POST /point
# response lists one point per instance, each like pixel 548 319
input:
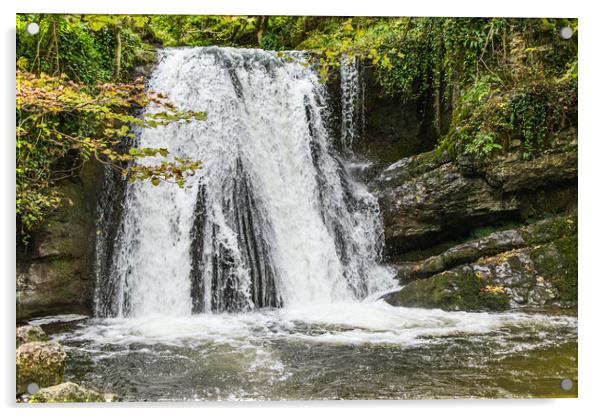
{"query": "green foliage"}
pixel 523 95
pixel 483 144
pixel 61 124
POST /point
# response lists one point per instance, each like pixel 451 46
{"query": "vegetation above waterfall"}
pixel 62 122
pixel 504 79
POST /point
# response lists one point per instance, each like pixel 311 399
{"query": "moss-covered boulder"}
pixel 543 231
pixel 67 393
pixel 42 363
pixel 559 264
pixel 451 291
pixel 538 275
pixel 30 333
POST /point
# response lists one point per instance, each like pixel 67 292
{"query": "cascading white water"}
pixel 351 102
pixel 272 218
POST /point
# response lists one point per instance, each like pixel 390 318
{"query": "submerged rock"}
pixel 537 275
pixel 30 333
pixel 42 363
pixel 68 393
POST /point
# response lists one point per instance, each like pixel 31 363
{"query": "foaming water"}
pixel 339 350
pixel 343 322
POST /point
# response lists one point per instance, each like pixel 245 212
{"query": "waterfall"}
pixel 352 102
pixel 273 218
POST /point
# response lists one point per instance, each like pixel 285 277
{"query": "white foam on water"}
pixel 338 323
pixel 45 320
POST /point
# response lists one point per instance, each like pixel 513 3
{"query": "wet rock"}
pixel 535 276
pixel 51 287
pixel 541 232
pixel 547 170
pixel 67 393
pixel 410 167
pixel 54 269
pixel 452 291
pixel 438 203
pixel 30 333
pixel 428 198
pixel 42 363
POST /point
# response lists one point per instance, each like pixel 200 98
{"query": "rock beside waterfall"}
pixel 42 363
pixel 428 198
pixel 543 231
pixel 69 393
pixel 538 275
pixel 54 270
pixel 480 233
pixel 30 333
pixel 438 203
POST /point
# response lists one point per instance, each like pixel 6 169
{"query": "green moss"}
pixel 566 279
pixel 66 393
pixel 552 229
pixel 64 269
pixel 557 262
pixel 451 291
pixel 42 363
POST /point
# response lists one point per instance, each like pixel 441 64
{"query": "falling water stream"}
pixel 261 278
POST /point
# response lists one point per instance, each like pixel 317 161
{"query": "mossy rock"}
pixel 30 333
pixel 559 263
pixel 550 229
pixel 67 393
pixel 451 291
pixel 42 363
pixel 538 275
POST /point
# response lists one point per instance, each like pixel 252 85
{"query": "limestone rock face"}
pixel 67 393
pixel 543 231
pixel 429 198
pixel 42 363
pixel 54 269
pixel 537 275
pixel 475 233
pixel 436 204
pixel 30 333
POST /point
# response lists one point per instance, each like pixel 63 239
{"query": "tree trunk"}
pixel 262 26
pixel 50 41
pixel 117 72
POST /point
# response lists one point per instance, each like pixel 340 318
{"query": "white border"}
pixel 506 8
pixel 590 153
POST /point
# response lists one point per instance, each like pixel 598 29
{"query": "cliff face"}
pixel 471 234
pixel 427 198
pixel 54 270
